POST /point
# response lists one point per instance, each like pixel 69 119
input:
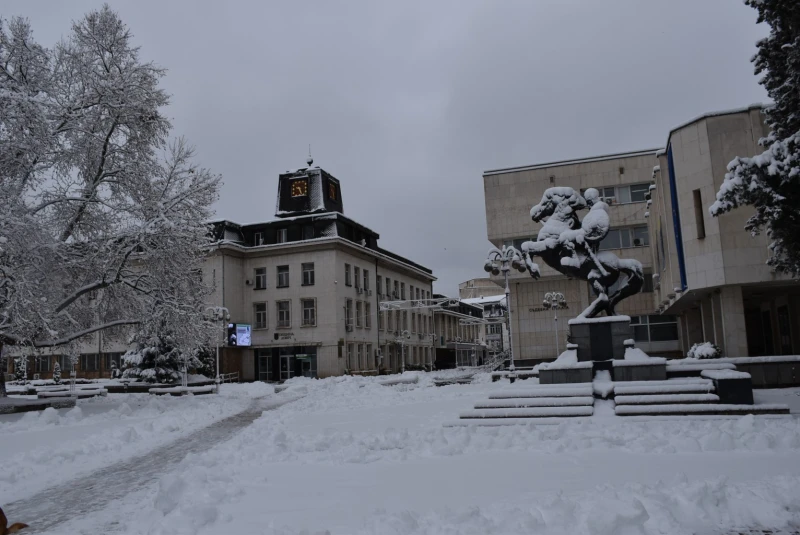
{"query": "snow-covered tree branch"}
pixel 770 182
pixel 102 217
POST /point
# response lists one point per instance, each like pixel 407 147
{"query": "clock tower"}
pixel 309 190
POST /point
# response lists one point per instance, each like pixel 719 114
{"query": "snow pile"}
pixel 568 360
pixel 41 449
pixel 705 350
pixel 724 374
pixel 636 357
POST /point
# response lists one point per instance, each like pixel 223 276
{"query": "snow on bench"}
pixel 515 403
pixel 668 382
pixel 625 410
pixel 724 374
pixel 184 390
pixel 81 393
pixel 400 381
pixel 691 388
pixel 546 391
pixel 532 412
pixel 657 399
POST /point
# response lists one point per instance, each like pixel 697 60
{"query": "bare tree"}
pixel 101 217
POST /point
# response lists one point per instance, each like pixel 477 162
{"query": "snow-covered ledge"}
pixel 568 360
pixel 600 319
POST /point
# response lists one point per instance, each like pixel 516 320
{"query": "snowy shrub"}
pixel 205 361
pixel 20 371
pixel 57 373
pixel 705 350
pixel 115 371
pixel 157 360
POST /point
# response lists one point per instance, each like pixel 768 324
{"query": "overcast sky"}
pixel 407 102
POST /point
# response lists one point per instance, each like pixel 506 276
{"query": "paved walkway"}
pixel 84 495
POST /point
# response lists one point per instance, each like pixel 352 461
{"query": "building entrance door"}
pixel 287 367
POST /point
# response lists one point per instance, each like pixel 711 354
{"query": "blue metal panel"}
pixel 676 219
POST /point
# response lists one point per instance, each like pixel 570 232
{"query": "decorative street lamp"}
pixel 223 315
pixel 457 340
pixel 401 339
pixel 555 301
pixel 497 261
pixel 433 349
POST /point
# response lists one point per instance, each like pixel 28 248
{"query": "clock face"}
pixel 299 188
pixel 332 191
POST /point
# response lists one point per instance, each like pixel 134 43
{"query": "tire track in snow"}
pixel 95 491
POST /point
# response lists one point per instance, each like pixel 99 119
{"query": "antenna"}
pixel 310 160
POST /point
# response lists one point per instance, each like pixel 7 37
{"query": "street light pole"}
pixel 221 314
pixel 555 301
pixel 498 260
pixel 401 339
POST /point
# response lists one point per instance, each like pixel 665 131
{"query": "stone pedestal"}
pixel 565 376
pixel 733 387
pixel 600 339
pixel 657 371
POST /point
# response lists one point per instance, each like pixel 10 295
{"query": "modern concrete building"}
pixel 710 272
pixel 624 181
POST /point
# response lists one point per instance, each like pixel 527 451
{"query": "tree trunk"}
pixel 3 364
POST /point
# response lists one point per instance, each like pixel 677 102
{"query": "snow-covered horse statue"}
pixel 570 246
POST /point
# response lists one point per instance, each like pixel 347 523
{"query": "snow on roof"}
pixel 484 300
pixel 719 113
pixel 573 161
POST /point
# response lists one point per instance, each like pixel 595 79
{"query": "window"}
pixel 626 237
pixel 283 276
pixel 347 280
pixel 348 312
pixel 42 364
pixel 357 276
pixel 378 285
pixel 358 314
pixel 396 289
pixel 647 287
pixel 403 291
pixel 698 214
pixel 405 320
pixel 65 362
pixel 308 232
pixel 283 235
pixel 368 359
pixel 389 318
pixel 260 310
pixel 349 355
pixel 366 280
pixel 411 291
pixel 367 315
pixel 308 273
pixel 109 358
pixel 261 279
pixel 623 194
pixel 258 238
pixel 428 294
pixel 381 320
pixel 89 362
pixel 332 191
pixel 654 328
pixel 284 314
pixel 413 322
pixel 309 312
pixel 418 292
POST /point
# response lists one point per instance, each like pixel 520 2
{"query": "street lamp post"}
pixel 502 260
pixel 433 349
pixel 457 340
pixel 555 301
pixel 401 339
pixel 223 315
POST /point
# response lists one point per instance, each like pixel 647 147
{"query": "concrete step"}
pixel 690 409
pixel 518 403
pixel 685 388
pixel 666 399
pixel 546 391
pixel 532 412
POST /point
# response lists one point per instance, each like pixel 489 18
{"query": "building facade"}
pixel 477 288
pixel 458 335
pixel 310 283
pixel 623 181
pixel 710 272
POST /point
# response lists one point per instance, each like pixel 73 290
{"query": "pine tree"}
pixel 20 369
pixel 770 182
pixel 57 373
pixel 157 360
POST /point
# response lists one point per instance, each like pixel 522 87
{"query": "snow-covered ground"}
pixel 353 456
pixel 43 449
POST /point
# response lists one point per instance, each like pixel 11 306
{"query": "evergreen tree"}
pixel 20 369
pixel 770 182
pixel 57 373
pixel 157 360
pixel 206 361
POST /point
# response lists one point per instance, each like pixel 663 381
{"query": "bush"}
pixel 57 373
pixel 705 350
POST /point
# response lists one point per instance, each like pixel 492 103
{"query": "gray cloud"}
pixel 408 102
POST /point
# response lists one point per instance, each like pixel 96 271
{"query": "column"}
pixel 733 326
